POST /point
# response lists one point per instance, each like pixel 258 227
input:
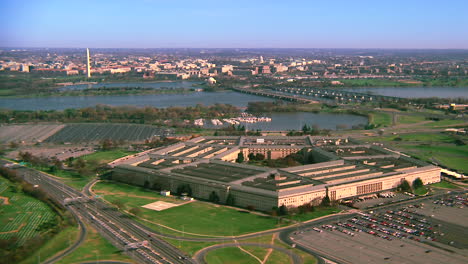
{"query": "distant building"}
pixel 165 193
pixel 211 80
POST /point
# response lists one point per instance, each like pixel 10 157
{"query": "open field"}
pixel 97 132
pixel 439 148
pixel 410 119
pixel 107 156
pixel 95 248
pixel 452 157
pixel 379 118
pixel 189 247
pixel 444 184
pixel 319 212
pixel 229 255
pixel 205 218
pixel 28 133
pixel 59 242
pixel 23 215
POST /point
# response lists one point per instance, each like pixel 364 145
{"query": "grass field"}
pixel 451 156
pixel 190 248
pixel 410 119
pixel 445 123
pixel 205 218
pixel 444 184
pixel 379 118
pixel 432 147
pixel 420 191
pixel 230 255
pixel 107 156
pixel 58 243
pixel 22 214
pixel 319 212
pixel 95 248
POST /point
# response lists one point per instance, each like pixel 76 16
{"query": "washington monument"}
pixel 88 66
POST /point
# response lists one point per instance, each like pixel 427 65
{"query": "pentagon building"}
pixel 342 167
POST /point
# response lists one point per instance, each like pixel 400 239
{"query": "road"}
pixel 120 230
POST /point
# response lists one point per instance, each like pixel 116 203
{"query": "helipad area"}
pixel 160 205
pixel 341 167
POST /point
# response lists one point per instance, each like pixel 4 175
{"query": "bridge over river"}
pixel 337 95
pixel 276 95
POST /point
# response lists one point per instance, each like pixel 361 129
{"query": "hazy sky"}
pixel 234 24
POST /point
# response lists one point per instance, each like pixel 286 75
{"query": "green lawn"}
pixel 95 248
pixel 432 147
pixel 58 243
pixel 319 211
pixel 204 218
pixel 230 255
pixel 107 156
pixel 190 248
pixel 379 118
pixel 278 257
pixel 22 214
pixel 451 156
pixel 445 123
pixel 410 119
pixel 420 191
pixel 444 184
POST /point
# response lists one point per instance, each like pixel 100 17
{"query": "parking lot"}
pixel 401 234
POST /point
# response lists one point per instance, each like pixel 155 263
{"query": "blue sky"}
pixel 234 24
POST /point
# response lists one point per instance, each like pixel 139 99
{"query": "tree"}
pixel 118 203
pixel 214 197
pixel 418 183
pixel 259 156
pixel 184 188
pixel 230 200
pixel 326 201
pixel 283 210
pixel 146 184
pixel 404 186
pixel 135 211
pixel 251 156
pixel 240 157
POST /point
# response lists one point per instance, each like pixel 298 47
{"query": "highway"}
pixel 120 230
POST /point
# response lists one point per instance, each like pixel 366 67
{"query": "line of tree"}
pixel 122 114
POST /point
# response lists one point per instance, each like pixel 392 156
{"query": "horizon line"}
pixel 42 47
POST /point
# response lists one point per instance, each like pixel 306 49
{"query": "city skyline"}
pixel 209 24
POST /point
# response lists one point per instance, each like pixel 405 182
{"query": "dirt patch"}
pixel 6 200
pixel 14 231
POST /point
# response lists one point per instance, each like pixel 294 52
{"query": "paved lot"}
pixel 399 234
pixel 365 248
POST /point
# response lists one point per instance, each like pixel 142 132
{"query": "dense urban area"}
pixel 233 155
